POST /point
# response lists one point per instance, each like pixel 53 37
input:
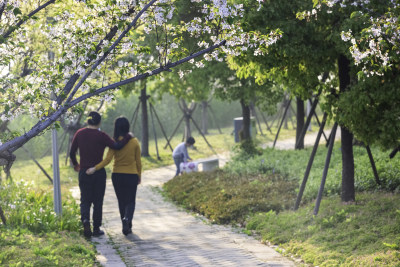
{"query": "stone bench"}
pixel 209 164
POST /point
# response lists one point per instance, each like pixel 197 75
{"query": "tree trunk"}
pixel 245 131
pixel 188 131
pixel 187 116
pixel 145 123
pixel 300 123
pixel 348 191
pixel 3 218
pixel 286 119
pixel 70 137
pixel 204 116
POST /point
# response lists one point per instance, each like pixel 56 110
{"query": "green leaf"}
pixel 17 11
pixel 355 14
pixel 57 125
pixel 121 24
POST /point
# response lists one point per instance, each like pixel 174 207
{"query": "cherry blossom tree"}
pixel 88 39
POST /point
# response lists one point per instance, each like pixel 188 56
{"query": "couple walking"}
pixel 126 174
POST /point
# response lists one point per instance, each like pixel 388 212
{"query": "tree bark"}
pixel 286 118
pixel 187 115
pixel 3 218
pixel 188 131
pixel 204 116
pixel 348 191
pixel 245 131
pixel 300 123
pixel 145 123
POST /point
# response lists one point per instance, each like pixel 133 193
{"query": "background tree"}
pixel 308 50
pixel 228 87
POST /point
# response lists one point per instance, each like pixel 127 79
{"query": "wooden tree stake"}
pixel 325 173
pixel 310 162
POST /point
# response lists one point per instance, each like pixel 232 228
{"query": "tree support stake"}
pixel 283 119
pixel 371 159
pixel 310 163
pixel 154 132
pixel 325 173
pixel 308 120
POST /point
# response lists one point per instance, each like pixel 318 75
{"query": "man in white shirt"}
pixel 180 153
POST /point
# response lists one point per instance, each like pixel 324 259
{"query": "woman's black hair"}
pixel 94 118
pixel 121 127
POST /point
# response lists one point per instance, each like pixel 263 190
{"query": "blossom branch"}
pixel 112 47
pixel 147 74
pixel 68 87
pixel 23 20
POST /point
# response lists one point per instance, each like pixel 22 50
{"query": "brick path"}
pixel 165 235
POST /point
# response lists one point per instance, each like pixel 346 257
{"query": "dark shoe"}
pixel 125 226
pixel 87 232
pixel 98 232
pixel 130 228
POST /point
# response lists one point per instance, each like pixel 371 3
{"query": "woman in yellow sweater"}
pixel 126 174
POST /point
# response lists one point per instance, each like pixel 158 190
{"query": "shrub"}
pixel 32 208
pixel 35 235
pixel 225 198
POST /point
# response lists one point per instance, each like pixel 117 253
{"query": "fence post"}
pixel 56 175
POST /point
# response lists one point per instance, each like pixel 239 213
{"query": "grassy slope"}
pixel 366 233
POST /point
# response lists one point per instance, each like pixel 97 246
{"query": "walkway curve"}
pixel 166 235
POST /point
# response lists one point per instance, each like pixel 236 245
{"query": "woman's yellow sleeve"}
pixel 138 157
pixel 107 160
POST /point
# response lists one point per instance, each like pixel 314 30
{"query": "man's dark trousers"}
pixel 92 189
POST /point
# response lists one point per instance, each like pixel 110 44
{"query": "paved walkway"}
pixel 165 235
pixel 309 140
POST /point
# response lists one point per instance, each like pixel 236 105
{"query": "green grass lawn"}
pixel 366 233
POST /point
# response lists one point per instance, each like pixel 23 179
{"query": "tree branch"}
pixel 19 141
pixel 23 20
pixel 145 75
pixel 67 88
pixel 2 9
pixel 112 47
